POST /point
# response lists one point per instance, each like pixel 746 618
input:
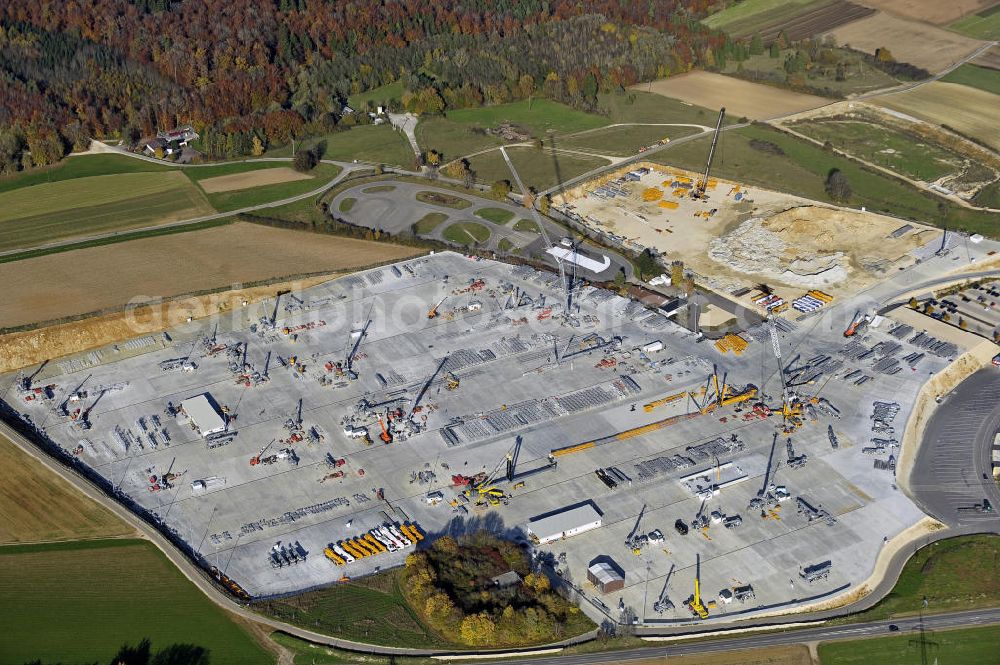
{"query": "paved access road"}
pixel 755 641
pixel 952 470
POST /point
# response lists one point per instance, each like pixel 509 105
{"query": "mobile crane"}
pixel 695 603
pixel 433 312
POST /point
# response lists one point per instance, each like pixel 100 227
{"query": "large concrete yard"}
pixel 524 372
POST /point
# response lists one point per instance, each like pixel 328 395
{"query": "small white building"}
pixel 580 259
pixel 564 523
pixel 204 414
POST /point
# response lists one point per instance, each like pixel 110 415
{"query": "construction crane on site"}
pixel 632 539
pixel 427 385
pixel 83 422
pixel 698 192
pixel 789 410
pixel 694 602
pixel 663 603
pixel 385 435
pixel 349 360
pixel 255 460
pixel 277 299
pixel 857 323
pixel 541 229
pixel 433 312
pixel 64 407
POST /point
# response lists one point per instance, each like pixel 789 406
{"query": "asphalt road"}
pixel 952 471
pixel 755 641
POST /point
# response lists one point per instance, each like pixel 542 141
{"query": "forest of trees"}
pixel 449 585
pixel 272 70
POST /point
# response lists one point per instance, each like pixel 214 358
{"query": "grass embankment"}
pixel 540 169
pixel 466 233
pixel 802 170
pixel 495 215
pixel 36 505
pixel 970 645
pixel 974 76
pixel 371 610
pixel 79 602
pixel 953 574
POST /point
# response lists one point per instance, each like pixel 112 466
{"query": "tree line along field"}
pixel 80 602
pixel 801 168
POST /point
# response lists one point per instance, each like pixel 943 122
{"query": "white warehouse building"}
pixel 205 415
pixel 564 523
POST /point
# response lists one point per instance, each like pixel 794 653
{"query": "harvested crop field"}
pixel 918 44
pixel 969 111
pixel 990 58
pixel 229 183
pixel 741 98
pixel 97 278
pixel 937 13
pixel 36 505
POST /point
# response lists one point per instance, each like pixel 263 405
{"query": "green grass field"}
pixel 742 14
pixel 526 225
pixel 638 105
pixel 378 188
pixel 988 196
pixel 505 245
pixel 380 144
pixel 95 204
pixel 369 610
pixel 621 141
pixel 974 76
pixel 79 602
pixel 199 173
pixel 443 199
pixel 80 166
pixel 803 169
pixel 243 198
pixel 346 204
pixel 380 94
pixel 495 215
pixel 429 222
pixel 957 573
pixel 972 646
pixel 452 139
pixel 466 233
pixel 895 150
pixel 537 168
pixel 983 25
pixel 537 115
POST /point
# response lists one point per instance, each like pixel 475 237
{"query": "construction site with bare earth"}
pixel 321 434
